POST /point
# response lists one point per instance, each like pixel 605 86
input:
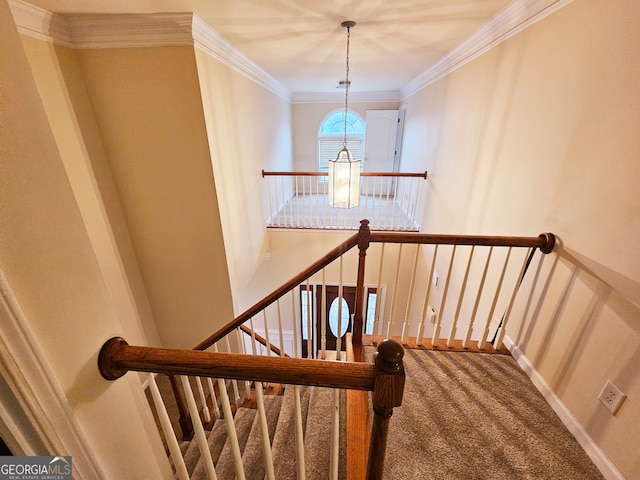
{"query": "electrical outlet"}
pixel 435 279
pixel 611 397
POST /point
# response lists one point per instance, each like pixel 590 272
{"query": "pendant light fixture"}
pixel 344 171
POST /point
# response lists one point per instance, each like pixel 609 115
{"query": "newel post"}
pixel 364 235
pixel 387 394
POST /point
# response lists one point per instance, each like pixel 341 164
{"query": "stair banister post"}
pixel 364 235
pixel 387 394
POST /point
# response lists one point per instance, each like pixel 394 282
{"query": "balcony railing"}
pixel 390 200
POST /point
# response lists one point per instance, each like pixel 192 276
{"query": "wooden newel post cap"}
pixel 390 354
pixel 389 384
pixel 364 234
pixel 106 363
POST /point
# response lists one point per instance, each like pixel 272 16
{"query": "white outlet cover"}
pixel 611 397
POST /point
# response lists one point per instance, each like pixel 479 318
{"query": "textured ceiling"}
pixel 301 42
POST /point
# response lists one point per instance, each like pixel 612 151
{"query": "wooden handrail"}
pixel 262 341
pixel 117 357
pixel 284 289
pixel 545 241
pixel 362 174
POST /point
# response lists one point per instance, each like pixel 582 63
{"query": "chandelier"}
pixel 344 171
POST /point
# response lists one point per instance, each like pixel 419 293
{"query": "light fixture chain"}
pixel 346 95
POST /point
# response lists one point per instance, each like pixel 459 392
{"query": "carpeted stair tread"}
pixel 243 421
pixel 317 436
pixel 283 447
pixel 253 456
pixel 216 441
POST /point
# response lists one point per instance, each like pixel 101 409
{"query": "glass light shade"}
pixel 344 180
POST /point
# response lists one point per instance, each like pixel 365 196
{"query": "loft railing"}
pixel 451 283
pixel 460 288
pixel 390 200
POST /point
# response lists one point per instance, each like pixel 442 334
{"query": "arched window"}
pixel 331 137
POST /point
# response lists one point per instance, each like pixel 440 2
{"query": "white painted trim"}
pixel 515 17
pixel 95 31
pixel 606 467
pixel 209 41
pixel 38 395
pixel 38 23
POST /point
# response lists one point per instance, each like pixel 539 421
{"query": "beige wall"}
pixel 306 122
pixel 149 112
pixel 540 134
pixel 249 130
pixel 48 257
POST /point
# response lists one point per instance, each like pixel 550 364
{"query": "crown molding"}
pixel 38 23
pixel 209 41
pixel 515 17
pixel 354 97
pixel 95 31
pixel 89 31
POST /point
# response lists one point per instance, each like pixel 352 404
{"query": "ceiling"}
pixel 301 42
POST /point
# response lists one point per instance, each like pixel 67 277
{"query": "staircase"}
pixel 316 407
pixel 299 438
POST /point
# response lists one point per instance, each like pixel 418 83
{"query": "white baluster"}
pixel 436 331
pixel 232 435
pixel 266 332
pixel 454 325
pixel 485 333
pixel 167 430
pixel 243 349
pixel 280 334
pixel 467 339
pixel 214 400
pixel 394 295
pixel 376 316
pixel 294 317
pixel 340 293
pixel 407 312
pixel 299 434
pixel 323 317
pixel 234 382
pixel 201 438
pixel 498 342
pixel 297 197
pixel 335 437
pixel 425 305
pixel 264 430
pixel 203 400
pixel 310 333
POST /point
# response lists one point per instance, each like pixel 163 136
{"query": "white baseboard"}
pixel 598 457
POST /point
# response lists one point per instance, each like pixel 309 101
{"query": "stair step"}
pixel 284 458
pixel 253 457
pixel 243 420
pixel 216 440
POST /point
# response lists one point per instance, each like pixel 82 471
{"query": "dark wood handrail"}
pixel 262 340
pixel 117 357
pixel 545 241
pixel 362 174
pixel 284 289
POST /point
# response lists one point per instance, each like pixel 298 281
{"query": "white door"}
pixel 379 149
pixel 380 140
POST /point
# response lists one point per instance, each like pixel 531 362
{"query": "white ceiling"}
pixel 301 42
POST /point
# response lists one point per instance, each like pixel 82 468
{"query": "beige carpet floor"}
pixel 478 416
